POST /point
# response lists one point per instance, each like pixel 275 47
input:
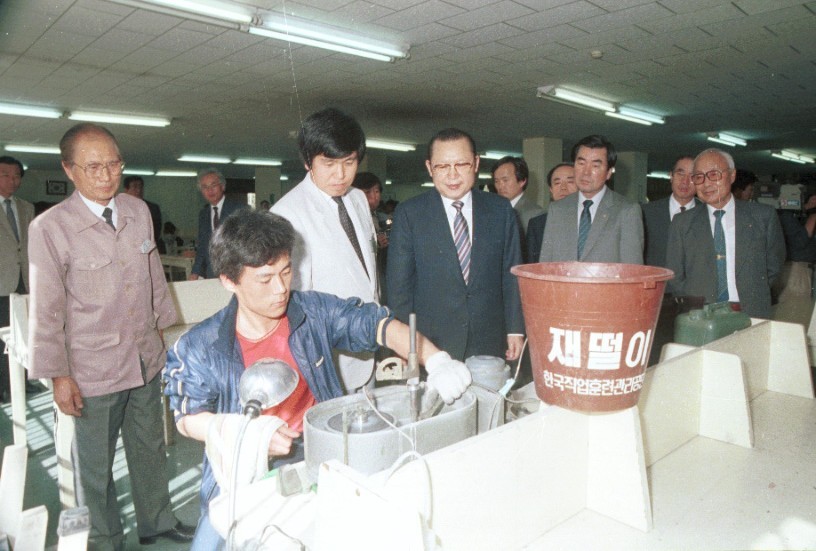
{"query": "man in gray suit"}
pixel 657 215
pixel 510 176
pixel 17 214
pixel 595 224
pixel 731 250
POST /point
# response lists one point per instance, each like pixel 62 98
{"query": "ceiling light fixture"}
pixel 176 173
pixel 138 172
pixel 114 118
pixel 205 159
pixel 788 155
pixel 284 178
pixel 725 139
pixel 284 27
pixel 659 175
pixel 576 98
pixel 391 146
pixel 628 118
pixel 256 162
pixel 44 149
pixel 625 111
pixel 220 10
pixel 29 111
pixel 496 155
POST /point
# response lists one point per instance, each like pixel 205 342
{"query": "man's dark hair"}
pixel 6 160
pixel 680 158
pixel 85 128
pixel 743 179
pixel 130 179
pixel 366 181
pixel 331 133
pixel 449 135
pixel 249 238
pixel 519 167
pixel 552 171
pixel 596 141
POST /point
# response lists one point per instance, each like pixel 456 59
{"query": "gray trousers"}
pixel 138 413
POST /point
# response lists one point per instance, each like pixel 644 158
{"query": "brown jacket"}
pixel 98 297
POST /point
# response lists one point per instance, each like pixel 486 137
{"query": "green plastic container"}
pixel 714 321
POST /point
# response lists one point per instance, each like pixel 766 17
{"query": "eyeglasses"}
pixel 210 187
pixel 442 170
pixel 94 170
pixel 699 178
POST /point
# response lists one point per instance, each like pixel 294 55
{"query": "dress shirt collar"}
pixel 98 209
pixel 467 201
pixel 674 205
pixel 728 208
pixel 514 201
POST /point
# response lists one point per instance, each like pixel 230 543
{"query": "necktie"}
pixel 12 219
pixel 584 226
pixel 461 238
pixel 682 209
pixel 107 214
pixel 215 218
pixel 348 227
pixel 719 250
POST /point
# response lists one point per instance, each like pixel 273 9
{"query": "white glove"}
pixel 449 377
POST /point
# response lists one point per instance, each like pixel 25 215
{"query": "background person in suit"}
pixel 134 185
pixel 510 176
pixel 466 307
pixel 561 181
pixel 753 245
pixel 331 255
pixel 98 303
pixel 657 215
pixel 212 185
pixel 17 215
pixel 615 226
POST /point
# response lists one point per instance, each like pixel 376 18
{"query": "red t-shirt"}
pixel 276 345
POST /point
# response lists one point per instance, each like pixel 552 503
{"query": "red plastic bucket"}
pixel 590 328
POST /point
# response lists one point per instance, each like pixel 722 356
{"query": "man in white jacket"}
pixel 335 248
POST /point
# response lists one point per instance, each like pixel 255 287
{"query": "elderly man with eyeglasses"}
pixel 729 250
pixel 450 254
pixel 98 304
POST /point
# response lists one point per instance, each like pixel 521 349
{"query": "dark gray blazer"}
pixel 760 253
pixel 202 266
pixel 616 234
pixel 424 275
pixel 656 220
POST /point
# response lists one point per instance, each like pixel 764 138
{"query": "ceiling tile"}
pixel 421 14
pixel 483 35
pixel 623 18
pixel 487 15
pixel 557 15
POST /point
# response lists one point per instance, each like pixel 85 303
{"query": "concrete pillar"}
pixel 541 155
pixel 630 175
pixel 268 184
pixel 374 161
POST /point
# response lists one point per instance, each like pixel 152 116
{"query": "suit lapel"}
pixel 742 228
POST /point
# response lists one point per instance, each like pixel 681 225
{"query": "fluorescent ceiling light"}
pixel 113 118
pixel 388 182
pixel 392 146
pixel 725 139
pixel 289 25
pixel 428 184
pixel 256 162
pixel 318 44
pixel 176 173
pixel 485 176
pixel 788 155
pixel 138 172
pixel 284 178
pixel 204 159
pixel 659 175
pixel 220 10
pixel 48 150
pixel 29 111
pixel 628 118
pixel 638 114
pixel 496 155
pixel 550 92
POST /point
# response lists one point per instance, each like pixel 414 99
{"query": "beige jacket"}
pixel 98 297
pixel 14 254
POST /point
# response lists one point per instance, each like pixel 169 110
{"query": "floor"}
pixel 183 463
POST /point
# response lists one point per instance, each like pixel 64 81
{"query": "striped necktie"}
pixel 461 238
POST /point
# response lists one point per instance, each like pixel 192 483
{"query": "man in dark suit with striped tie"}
pixel 450 254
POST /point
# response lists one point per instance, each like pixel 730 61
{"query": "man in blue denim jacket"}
pixel 251 254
